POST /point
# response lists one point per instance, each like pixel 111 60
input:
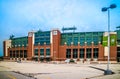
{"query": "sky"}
pixel 18 17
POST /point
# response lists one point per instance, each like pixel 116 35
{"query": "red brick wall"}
pixel 30 45
pixel 113 53
pixel 101 53
pixel 56 43
pixel 62 52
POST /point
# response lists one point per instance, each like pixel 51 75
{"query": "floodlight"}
pixel 104 9
pixel 113 6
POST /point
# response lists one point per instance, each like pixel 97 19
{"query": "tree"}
pixel 11 37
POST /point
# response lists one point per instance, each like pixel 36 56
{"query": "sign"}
pixel 105 41
pixel 113 39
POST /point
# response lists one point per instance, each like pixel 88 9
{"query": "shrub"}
pixel 72 61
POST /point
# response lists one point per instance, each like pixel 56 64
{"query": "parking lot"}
pixel 61 71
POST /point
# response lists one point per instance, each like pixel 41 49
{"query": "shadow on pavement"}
pixel 100 69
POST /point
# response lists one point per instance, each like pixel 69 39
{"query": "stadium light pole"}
pixel 104 9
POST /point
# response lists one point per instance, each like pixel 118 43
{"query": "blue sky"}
pixel 18 17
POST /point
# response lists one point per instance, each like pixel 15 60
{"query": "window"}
pixel 43 37
pixel 42 43
pixel 68 53
pixel 21 53
pixel 13 54
pixel 95 51
pixel 35 51
pixel 89 34
pixel 82 52
pixel 95 33
pixel 69 40
pixel 89 40
pixel 75 53
pixel 41 51
pixel 82 34
pixel 25 53
pixel 47 51
pixel 10 54
pixel 100 33
pixel 82 41
pixel 88 52
pixel 63 39
pixel 76 34
pixel 47 42
pixel 48 34
pixel 95 40
pixel 75 41
pixel 42 34
pixel 17 53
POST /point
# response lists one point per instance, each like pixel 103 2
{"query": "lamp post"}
pixel 112 6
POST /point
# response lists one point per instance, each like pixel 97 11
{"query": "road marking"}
pixel 10 76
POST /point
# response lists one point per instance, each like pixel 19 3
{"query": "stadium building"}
pixel 57 46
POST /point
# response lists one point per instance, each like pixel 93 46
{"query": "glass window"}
pixel 47 42
pixel 95 40
pixel 14 54
pixel 89 34
pixel 89 41
pixel 95 33
pixel 70 34
pixel 75 41
pixel 95 51
pixel 82 52
pixel 48 34
pixel 25 53
pixel 17 53
pixel 68 53
pixel 82 34
pixel 69 40
pixel 35 51
pixel 43 37
pixel 82 41
pixel 75 53
pixel 47 51
pixel 10 54
pixel 88 52
pixel 41 51
pixel 100 33
pixel 21 53
pixel 76 34
pixel 42 43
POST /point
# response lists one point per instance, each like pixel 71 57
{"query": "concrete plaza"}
pixel 61 71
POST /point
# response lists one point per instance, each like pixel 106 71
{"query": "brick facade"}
pixel 58 51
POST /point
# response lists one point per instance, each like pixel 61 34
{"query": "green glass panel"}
pixel 41 51
pixel 47 51
pixel 35 51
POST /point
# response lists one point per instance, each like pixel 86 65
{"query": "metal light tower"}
pixel 112 6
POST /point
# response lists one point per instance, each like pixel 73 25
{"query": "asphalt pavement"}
pixel 14 70
pixel 4 74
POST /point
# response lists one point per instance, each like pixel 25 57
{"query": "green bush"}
pixel 72 61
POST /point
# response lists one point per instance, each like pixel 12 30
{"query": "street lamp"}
pixel 112 6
